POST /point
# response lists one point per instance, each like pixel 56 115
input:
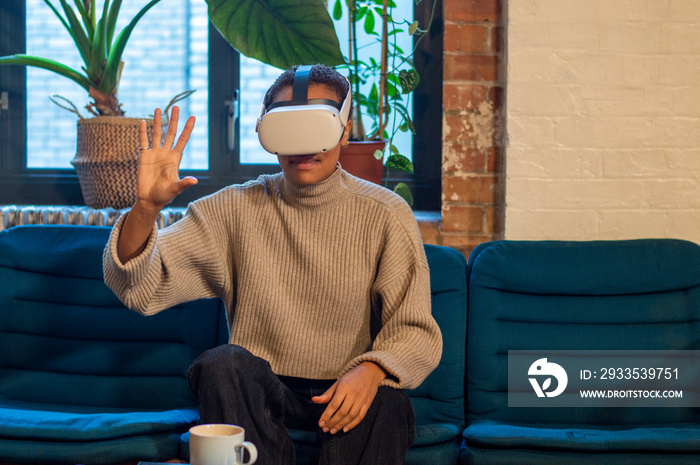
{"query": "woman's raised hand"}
pixel 158 178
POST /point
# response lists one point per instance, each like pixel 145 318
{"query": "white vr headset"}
pixel 301 126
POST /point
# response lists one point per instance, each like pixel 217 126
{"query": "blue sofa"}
pixel 84 380
pixel 601 295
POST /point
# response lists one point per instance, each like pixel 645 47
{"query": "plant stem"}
pixel 357 129
pixel 383 120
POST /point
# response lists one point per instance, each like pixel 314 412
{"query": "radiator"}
pixel 13 215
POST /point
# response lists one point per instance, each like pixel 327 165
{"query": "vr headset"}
pixel 301 126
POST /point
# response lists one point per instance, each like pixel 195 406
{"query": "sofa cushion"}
pixel 61 434
pixel 680 438
pixel 541 456
pixel 42 422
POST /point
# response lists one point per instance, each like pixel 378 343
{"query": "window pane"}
pixel 166 55
pixel 257 77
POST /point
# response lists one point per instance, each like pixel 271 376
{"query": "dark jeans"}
pixel 233 386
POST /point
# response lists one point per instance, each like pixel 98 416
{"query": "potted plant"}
pixel 382 85
pixel 301 32
pixel 295 31
pixel 107 151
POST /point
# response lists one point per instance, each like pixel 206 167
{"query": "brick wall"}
pixel 603 120
pixel 472 152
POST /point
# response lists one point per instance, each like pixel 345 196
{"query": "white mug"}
pixel 219 444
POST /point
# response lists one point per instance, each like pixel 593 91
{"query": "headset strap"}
pixel 314 101
pixel 300 89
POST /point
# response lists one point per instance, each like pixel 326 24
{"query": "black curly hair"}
pixel 320 74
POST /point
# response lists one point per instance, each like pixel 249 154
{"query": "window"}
pixel 38 138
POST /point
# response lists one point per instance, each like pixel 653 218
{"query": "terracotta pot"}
pixel 358 160
pixel 107 160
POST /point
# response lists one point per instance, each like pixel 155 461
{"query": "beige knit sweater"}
pixel 316 278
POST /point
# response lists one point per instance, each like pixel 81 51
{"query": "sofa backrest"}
pixel 66 339
pixel 440 399
pixel 598 295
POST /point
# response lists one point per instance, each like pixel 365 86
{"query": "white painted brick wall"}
pixel 603 119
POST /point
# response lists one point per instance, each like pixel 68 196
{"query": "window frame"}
pixel 53 186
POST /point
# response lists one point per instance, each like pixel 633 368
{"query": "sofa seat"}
pixel 495 443
pixel 28 420
pixel 489 434
pixel 36 430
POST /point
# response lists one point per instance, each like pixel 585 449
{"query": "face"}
pixel 315 167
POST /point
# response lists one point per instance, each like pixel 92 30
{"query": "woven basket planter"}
pixel 107 160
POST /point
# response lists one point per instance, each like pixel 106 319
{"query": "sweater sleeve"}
pixel 180 263
pixel 409 344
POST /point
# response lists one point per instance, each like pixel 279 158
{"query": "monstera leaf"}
pixel 281 33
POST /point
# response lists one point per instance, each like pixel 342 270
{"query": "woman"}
pixel 326 285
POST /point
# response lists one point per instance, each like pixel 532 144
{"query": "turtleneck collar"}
pixel 330 192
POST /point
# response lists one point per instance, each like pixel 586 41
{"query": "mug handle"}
pixel 252 451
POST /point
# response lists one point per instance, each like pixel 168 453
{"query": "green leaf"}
pixel 49 65
pixel 76 31
pixel 111 24
pixel 97 52
pixel 409 80
pixel 87 21
pixel 369 23
pixel 108 84
pixel 413 28
pixel 404 191
pixel 374 93
pixel 281 33
pixel 337 10
pixel 391 89
pixel 360 13
pixel 399 162
pixel 378 154
pixel 393 149
pixel 407 125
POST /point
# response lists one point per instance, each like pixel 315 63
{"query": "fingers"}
pixel 354 416
pixel 156 130
pixel 172 128
pixel 356 421
pixel 171 133
pixel 143 134
pixel 326 396
pixel 330 417
pixel 346 409
pixel 350 398
pixel 184 183
pixel 185 135
pixel 347 416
